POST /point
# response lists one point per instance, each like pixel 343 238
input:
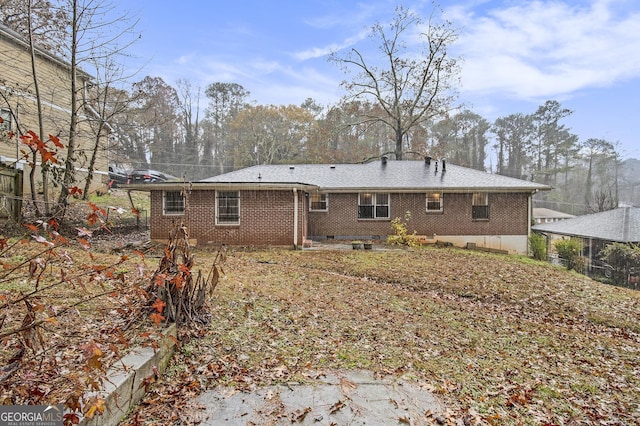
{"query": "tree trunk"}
pixel 589 184
pixel 69 164
pixel 399 135
pixel 92 162
pixel 36 88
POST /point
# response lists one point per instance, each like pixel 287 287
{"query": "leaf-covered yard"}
pixel 67 313
pixel 500 339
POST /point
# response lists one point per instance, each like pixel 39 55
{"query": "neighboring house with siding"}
pixel 544 215
pixel 18 107
pixel 285 205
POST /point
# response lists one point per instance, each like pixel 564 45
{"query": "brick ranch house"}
pixel 285 205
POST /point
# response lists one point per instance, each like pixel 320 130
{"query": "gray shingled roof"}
pixel 543 213
pixel 394 175
pixel 620 225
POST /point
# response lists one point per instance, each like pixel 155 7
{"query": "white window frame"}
pixel 6 124
pixel 217 212
pixel 172 210
pixel 375 205
pixel 432 198
pixel 323 198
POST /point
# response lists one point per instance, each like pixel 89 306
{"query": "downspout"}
pixel 529 219
pixel 295 219
pixel 529 214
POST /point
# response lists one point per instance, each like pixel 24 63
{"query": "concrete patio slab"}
pixel 345 397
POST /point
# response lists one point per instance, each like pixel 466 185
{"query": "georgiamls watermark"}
pixel 31 415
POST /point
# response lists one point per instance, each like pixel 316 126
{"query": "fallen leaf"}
pixel 336 407
pixel 299 415
pixel 347 385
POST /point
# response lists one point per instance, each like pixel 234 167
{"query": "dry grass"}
pixel 498 338
pixel 120 198
pixel 505 339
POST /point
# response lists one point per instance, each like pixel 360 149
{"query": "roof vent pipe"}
pixel 427 161
pixel 444 166
pixel 384 159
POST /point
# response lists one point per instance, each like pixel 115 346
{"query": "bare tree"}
pixel 409 86
pixel 38 20
pixel 98 35
pixel 36 89
pixel 105 105
pixel 69 163
pixel 599 154
pixel 602 200
pixel 189 105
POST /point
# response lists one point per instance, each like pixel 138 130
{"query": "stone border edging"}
pixel 124 386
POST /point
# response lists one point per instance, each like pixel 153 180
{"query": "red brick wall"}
pixel 266 218
pixel 508 215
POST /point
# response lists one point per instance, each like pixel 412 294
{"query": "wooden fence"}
pixel 10 194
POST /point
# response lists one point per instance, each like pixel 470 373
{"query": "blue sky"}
pixel 516 53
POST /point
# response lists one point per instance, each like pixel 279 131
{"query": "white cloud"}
pixel 269 81
pixel 548 48
pixel 319 52
pixel 359 19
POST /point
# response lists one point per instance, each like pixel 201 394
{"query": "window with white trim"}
pixel 227 207
pixel 172 203
pixel 480 206
pixel 318 202
pixel 5 120
pixel 372 205
pixel 434 201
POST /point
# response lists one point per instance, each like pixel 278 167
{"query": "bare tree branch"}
pixel 412 86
